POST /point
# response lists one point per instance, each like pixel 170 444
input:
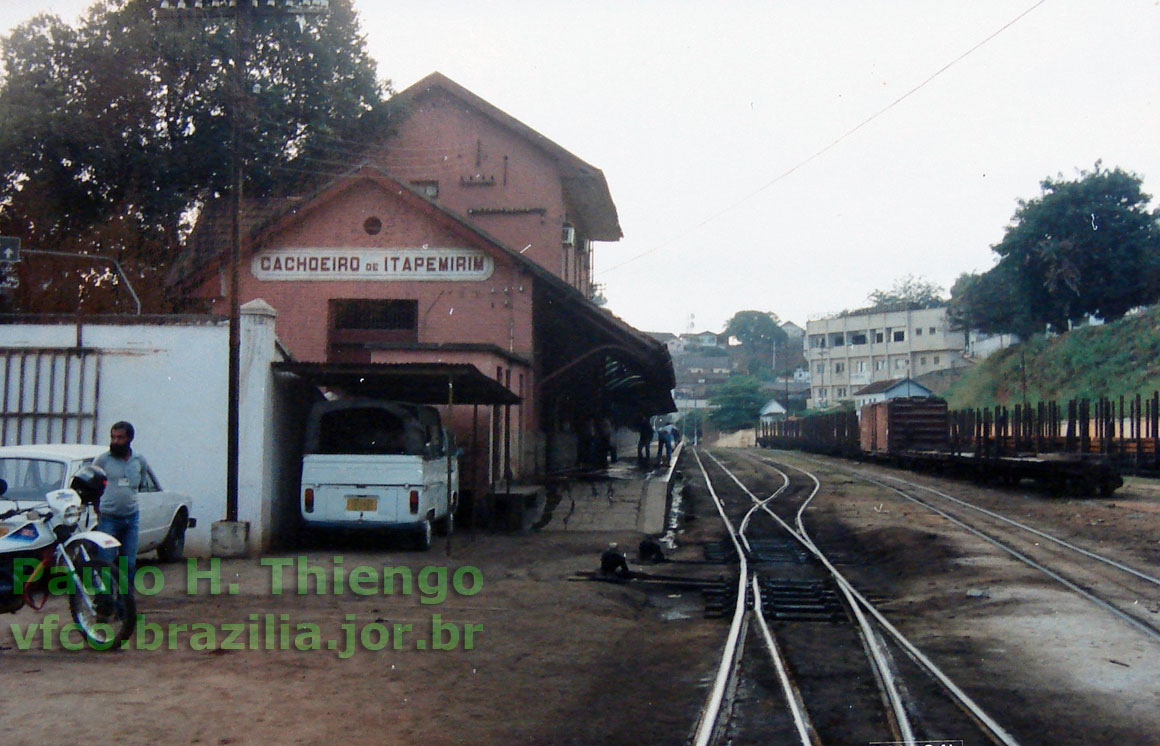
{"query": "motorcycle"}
pixel 51 549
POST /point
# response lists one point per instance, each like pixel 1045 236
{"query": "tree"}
pixel 760 335
pixel 908 292
pixel 1087 246
pixel 691 425
pixel 739 401
pixel 117 130
pixel 989 303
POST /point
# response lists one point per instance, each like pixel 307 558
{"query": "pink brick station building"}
pixel 452 266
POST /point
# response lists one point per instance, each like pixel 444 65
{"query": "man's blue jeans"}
pixel 123 528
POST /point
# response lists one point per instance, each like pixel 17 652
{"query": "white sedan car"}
pixel 33 471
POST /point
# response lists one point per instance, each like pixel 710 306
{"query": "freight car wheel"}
pixel 1110 485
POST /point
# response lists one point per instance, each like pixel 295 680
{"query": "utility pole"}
pixel 242 12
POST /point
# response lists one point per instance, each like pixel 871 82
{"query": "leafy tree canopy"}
pixel 739 401
pixel 760 334
pixel 756 328
pixel 1085 246
pixel 908 292
pixel 989 303
pixel 117 129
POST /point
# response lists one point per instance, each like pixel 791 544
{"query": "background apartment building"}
pixel 853 350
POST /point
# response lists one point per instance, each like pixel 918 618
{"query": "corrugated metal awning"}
pixel 419 383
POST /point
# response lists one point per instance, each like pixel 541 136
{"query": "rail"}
pixel 994 730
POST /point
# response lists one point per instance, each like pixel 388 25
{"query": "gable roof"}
pixel 585 188
pixel 880 387
pixel 773 406
pixel 209 244
pixel 877 387
pixel 271 216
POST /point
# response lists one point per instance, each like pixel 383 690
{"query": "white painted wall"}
pixel 981 345
pixel 169 378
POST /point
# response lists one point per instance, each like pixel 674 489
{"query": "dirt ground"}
pixel 554 659
pixel 1051 666
pixel 557 659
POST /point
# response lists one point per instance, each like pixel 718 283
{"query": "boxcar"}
pixel 906 424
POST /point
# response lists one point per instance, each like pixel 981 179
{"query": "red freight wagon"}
pixel 905 424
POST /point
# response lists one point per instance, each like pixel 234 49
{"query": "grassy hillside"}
pixel 1116 359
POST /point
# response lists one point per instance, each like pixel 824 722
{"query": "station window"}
pixel 392 315
pixel 821 368
pixel 857 338
pixel 936 359
pixel 922 361
pixel 429 189
pixel 879 364
pixel 357 323
pixel 932 330
pixel 918 331
pixel 900 363
pixel 839 367
pixel 899 335
pixel 879 337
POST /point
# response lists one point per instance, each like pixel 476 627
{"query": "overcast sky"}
pixel 754 148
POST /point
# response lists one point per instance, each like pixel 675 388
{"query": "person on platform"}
pixel 644 441
pixel 667 438
pixel 607 441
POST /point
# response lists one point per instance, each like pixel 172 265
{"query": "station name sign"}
pixel 462 265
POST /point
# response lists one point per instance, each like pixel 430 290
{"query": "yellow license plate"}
pixel 361 503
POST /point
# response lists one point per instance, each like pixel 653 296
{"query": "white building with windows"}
pixel 889 389
pixel 702 339
pixel 772 412
pixel 850 351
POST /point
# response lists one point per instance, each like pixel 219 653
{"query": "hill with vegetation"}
pixel 1112 360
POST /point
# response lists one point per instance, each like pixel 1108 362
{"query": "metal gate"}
pixel 50 395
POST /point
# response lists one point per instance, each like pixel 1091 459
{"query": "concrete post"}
pixel 255 486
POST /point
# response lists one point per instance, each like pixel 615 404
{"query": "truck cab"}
pixel 372 464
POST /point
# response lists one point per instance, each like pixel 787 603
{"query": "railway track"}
pixel 1111 585
pixel 809 659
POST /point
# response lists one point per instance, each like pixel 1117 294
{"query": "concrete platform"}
pixel 623 497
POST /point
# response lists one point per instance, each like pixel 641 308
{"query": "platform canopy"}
pixel 418 383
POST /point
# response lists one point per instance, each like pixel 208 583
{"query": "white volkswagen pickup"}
pixel 379 464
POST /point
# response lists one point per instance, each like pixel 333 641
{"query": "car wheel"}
pixel 423 534
pixel 173 547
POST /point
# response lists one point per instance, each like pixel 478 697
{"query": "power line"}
pixel 827 148
pixel 242 16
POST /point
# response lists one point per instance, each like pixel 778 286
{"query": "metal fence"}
pixel 50 395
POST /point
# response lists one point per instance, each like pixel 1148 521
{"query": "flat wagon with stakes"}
pixel 1073 455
